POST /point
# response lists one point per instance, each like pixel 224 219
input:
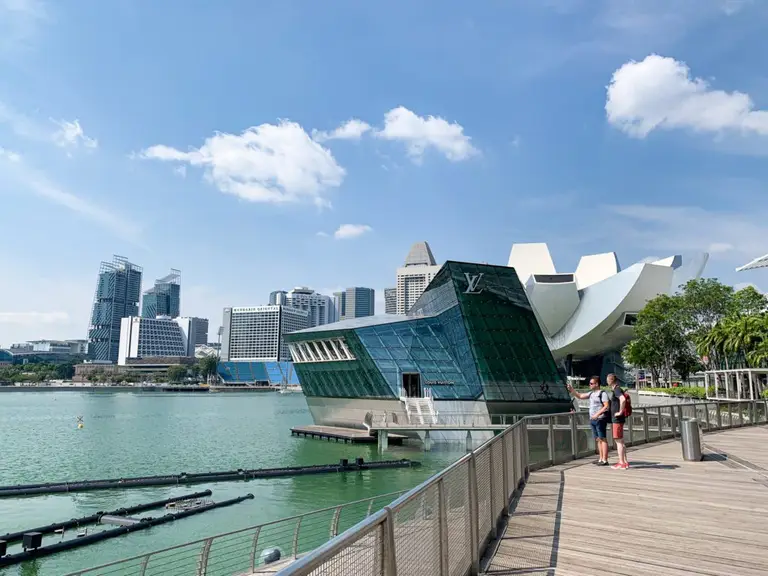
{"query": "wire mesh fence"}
pixel 440 527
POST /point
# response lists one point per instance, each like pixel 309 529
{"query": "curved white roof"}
pixel 589 312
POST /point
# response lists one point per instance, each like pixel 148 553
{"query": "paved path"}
pixel 663 516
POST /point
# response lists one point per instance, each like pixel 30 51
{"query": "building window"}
pixel 331 350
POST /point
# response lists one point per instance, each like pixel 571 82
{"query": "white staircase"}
pixel 420 411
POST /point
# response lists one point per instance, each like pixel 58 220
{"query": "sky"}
pixel 264 145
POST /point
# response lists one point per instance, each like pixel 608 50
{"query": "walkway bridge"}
pixel 528 502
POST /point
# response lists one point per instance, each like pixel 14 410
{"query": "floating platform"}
pixel 338 434
pixel 199 478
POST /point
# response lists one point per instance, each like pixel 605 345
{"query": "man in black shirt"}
pixel 618 418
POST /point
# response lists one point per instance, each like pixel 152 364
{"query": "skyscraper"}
pixel 117 296
pixel 354 303
pixel 414 276
pixel 277 297
pixel 319 306
pixel 390 300
pixel 157 337
pixel 164 299
pixel 255 333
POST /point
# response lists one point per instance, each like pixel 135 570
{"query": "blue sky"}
pixel 216 138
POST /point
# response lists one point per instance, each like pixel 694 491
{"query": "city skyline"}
pixel 478 128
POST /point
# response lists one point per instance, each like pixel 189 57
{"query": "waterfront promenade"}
pixel 663 516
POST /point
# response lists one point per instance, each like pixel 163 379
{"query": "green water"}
pixel 129 434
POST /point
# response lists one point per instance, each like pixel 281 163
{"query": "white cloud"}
pixel 659 92
pixel 71 135
pixel 351 130
pixel 33 318
pixel 272 163
pixel 38 184
pixel 322 234
pixel 19 20
pixel 731 7
pixel 181 171
pixel 731 236
pixel 346 231
pixel 10 155
pixel 419 133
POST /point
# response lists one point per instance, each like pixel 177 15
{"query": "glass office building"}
pixel 164 299
pixel 117 296
pixel 471 337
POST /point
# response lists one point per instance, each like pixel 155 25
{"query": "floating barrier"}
pixel 38 551
pixel 204 477
pixel 94 518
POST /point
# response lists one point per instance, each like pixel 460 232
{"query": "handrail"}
pixel 656 423
pixel 259 528
pixel 443 525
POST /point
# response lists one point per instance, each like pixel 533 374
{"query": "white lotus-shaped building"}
pixel 587 315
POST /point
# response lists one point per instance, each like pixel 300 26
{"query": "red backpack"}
pixel 627 404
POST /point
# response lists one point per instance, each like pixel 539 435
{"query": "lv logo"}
pixel 472 281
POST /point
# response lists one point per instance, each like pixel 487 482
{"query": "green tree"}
pixel 177 373
pixel 704 303
pixel 208 367
pixel 748 302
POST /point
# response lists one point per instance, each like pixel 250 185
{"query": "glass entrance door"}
pixel 412 385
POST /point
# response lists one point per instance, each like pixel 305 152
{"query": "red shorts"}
pixel 618 431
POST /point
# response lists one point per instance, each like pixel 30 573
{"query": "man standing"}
pixel 618 412
pixel 599 416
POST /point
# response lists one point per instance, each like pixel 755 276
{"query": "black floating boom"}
pixel 93 518
pixel 113 533
pixel 199 478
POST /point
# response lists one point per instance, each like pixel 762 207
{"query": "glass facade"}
pixel 471 335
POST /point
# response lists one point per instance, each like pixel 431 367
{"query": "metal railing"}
pixel 442 527
pixel 247 550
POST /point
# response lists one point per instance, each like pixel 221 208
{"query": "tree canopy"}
pixel 707 322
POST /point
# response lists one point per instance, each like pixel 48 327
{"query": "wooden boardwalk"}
pixel 664 516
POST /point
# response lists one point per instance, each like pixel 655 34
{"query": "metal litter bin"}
pixel 690 437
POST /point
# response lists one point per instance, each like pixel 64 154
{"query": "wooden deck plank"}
pixel 664 516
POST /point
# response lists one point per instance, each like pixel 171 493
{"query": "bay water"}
pixel 133 434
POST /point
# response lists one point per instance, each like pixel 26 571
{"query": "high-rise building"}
pixel 255 333
pixel 117 296
pixel 277 298
pixel 319 306
pixel 354 303
pixel 160 337
pixel 164 299
pixel 390 300
pixel 414 276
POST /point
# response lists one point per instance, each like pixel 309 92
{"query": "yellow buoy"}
pixel 80 425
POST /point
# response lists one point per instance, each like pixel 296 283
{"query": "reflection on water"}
pixel 133 434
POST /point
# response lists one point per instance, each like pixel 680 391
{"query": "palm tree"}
pixel 743 334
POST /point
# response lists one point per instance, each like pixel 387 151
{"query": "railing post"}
pixel 660 423
pixel 442 506
pixel 143 567
pixel 389 559
pixel 574 435
pixel 474 537
pixel 706 415
pixel 719 416
pixel 527 451
pixel 335 520
pixel 551 440
pixel 253 549
pixel 295 547
pixel 631 430
pixel 645 424
pixel 730 414
pixel 202 567
pixel 491 496
pixel 505 472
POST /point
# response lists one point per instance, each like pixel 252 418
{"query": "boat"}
pixel 187 504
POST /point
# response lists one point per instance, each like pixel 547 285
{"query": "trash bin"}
pixel 690 438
